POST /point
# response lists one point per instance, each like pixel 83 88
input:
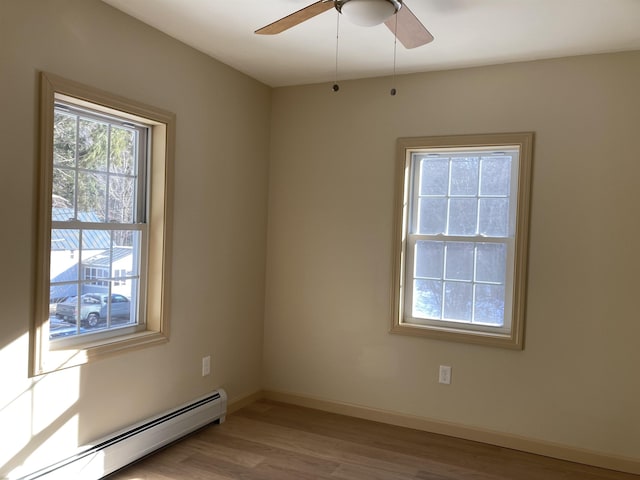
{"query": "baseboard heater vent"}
pixel 111 453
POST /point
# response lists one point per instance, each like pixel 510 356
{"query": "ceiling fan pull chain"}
pixel 395 53
pixel 336 87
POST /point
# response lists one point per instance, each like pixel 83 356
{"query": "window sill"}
pixel 513 340
pixel 52 359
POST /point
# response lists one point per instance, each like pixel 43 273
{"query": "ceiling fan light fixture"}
pixel 368 13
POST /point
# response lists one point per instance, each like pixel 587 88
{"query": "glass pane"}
pixel 122 307
pixel 124 253
pixel 123 150
pixel 491 262
pixel 92 144
pixel 64 185
pixel 464 176
pixel 463 214
pixel 126 245
pixel 429 259
pixel 91 197
pixel 62 311
pixel 494 217
pixel 496 176
pixel 489 305
pixel 459 261
pixel 458 298
pixel 63 286
pixel 93 306
pixel 122 192
pixel 432 215
pixel 64 139
pixel 427 299
pixel 63 266
pixel 95 263
pixel 434 176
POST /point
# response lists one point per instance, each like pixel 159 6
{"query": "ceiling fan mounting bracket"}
pixel 397 4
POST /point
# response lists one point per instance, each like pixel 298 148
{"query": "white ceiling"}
pixel 467 33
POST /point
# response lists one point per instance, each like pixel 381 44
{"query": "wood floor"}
pixel 272 441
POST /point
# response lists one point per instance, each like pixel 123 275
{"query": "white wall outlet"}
pixel 206 365
pixel 445 374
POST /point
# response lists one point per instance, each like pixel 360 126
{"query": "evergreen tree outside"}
pixel 95 169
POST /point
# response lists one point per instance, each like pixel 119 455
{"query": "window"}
pixel 99 185
pixel 121 277
pixel 89 274
pixel 461 240
pixel 103 225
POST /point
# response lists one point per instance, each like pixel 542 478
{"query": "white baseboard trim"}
pixel 515 442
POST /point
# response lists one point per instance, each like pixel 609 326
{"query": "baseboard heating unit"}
pixel 119 449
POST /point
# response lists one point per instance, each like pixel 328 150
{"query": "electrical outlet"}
pixel 445 374
pixel 206 365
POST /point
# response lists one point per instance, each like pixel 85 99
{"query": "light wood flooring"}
pixel 273 441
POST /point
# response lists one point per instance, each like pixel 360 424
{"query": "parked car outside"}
pixel 93 308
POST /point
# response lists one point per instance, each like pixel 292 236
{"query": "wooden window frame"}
pixel 45 355
pixel 512 337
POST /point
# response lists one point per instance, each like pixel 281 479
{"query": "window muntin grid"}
pixel 98 220
pixel 460 237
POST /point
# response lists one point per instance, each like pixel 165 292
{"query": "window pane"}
pixel 123 158
pixel 92 197
pixel 64 139
pixel 92 145
pixel 459 261
pixel 491 262
pixel 464 176
pixel 95 261
pixel 123 305
pixel 458 298
pixel 463 214
pixel 429 259
pixel 64 186
pixel 121 199
pixel 489 305
pixel 63 265
pixel 432 216
pixel 494 217
pixel 427 299
pixel 126 244
pixel 434 176
pixel 496 176
pixel 62 311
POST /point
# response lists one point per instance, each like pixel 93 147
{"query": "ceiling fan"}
pixel 393 13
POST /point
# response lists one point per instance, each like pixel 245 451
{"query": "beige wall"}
pixel 330 238
pixel 218 237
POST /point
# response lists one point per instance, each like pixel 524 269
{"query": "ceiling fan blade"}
pixel 411 32
pixel 296 18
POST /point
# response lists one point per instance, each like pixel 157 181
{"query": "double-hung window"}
pixel 104 224
pixel 461 239
pixel 98 222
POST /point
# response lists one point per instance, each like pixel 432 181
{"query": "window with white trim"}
pixel 462 238
pixel 104 221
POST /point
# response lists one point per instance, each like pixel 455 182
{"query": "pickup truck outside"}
pixel 93 308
